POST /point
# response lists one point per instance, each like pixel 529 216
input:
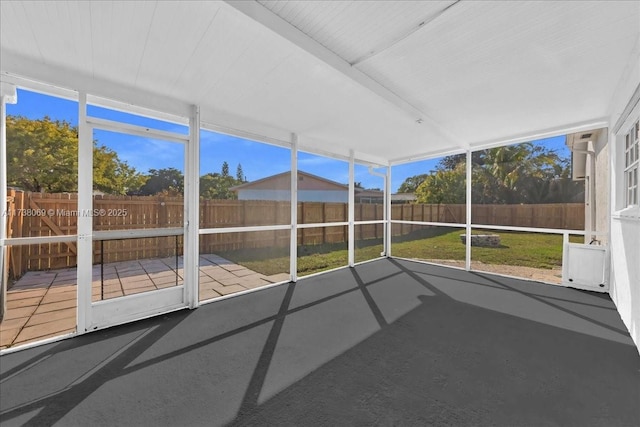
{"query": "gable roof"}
pixel 265 183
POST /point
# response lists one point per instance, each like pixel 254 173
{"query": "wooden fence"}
pixel 41 214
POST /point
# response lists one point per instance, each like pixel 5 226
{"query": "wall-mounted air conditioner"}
pixel 586 267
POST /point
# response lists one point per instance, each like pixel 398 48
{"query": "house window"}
pixel 632 164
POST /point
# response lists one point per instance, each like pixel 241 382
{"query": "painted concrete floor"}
pixel 42 304
pixel 390 342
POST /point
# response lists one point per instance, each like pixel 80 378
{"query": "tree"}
pixel 240 174
pixel 411 184
pixel 216 186
pixel 168 181
pixel 442 186
pixel 521 173
pixel 225 169
pixel 113 176
pixel 42 155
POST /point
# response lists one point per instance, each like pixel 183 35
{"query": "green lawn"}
pixel 521 249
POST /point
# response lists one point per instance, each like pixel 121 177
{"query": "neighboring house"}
pixel 403 198
pixel 311 188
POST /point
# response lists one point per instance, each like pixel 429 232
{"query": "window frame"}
pixel 631 166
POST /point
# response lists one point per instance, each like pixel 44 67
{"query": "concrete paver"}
pixel 42 304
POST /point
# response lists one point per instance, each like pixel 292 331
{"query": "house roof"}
pixel 388 80
pixel 266 181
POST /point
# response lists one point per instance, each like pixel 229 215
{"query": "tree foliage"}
pixel 521 173
pixel 42 155
pixel 240 174
pixel 411 184
pixel 169 181
pixel 218 186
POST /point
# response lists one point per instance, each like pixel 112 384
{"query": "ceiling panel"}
pixel 478 71
pixel 354 30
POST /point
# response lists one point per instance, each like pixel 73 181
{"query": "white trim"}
pixel 596 123
pixel 352 213
pixel 387 214
pixel 239 133
pixel 8 94
pixel 437 224
pixel 40 87
pixel 112 104
pixel 426 156
pixel 117 311
pixel 293 238
pixel 324 224
pixel 514 139
pixel 533 229
pixel 21 241
pixel 191 251
pixel 222 230
pixel 137 233
pixel 85 223
pixel 372 221
pixel 468 186
pixel 499 227
pixel 136 130
pixel 628 109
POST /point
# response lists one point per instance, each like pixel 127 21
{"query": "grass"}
pixel 518 249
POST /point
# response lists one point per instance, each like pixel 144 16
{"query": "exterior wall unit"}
pixel 625 230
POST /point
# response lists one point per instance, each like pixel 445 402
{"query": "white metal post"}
pixel 293 245
pixel 85 221
pixel 191 254
pixel 8 96
pixel 352 210
pixel 387 213
pixel 467 264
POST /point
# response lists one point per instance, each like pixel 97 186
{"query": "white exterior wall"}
pixel 625 232
pixel 303 195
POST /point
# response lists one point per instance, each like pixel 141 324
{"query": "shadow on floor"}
pixel 388 342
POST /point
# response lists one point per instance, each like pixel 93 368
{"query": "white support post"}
pixel 352 210
pixel 469 166
pixel 190 263
pixel 8 96
pixel 387 213
pixel 85 221
pixel 293 246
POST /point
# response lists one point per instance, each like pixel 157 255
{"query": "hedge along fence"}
pixel 41 214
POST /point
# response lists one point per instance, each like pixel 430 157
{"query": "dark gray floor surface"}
pixel 387 343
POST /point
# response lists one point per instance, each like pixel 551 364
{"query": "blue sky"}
pixel 258 160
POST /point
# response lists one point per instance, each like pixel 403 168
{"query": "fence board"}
pixel 163 212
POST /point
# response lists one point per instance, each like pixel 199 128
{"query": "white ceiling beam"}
pixel 275 23
pixel 391 43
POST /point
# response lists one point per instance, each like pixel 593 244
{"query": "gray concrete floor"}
pixel 386 343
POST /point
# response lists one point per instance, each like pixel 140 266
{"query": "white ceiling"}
pixel 342 75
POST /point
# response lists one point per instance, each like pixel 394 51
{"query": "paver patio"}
pixel 42 304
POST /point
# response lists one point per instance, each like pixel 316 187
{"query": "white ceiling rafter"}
pixel 275 23
pixel 391 43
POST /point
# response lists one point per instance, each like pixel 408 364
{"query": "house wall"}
pixel 303 195
pixel 625 232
